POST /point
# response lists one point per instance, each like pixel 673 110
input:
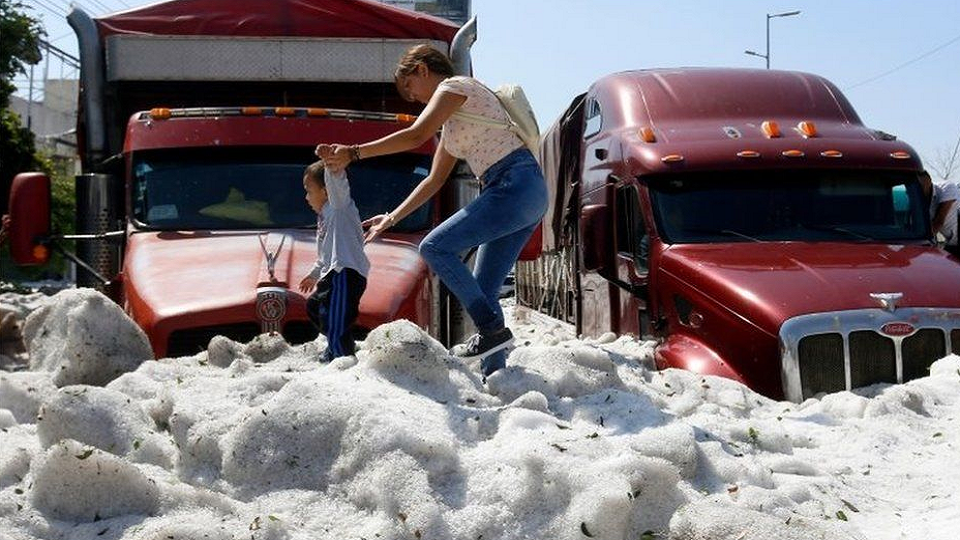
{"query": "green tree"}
pixel 20 36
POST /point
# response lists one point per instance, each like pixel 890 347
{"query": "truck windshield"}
pixel 261 188
pixel 789 205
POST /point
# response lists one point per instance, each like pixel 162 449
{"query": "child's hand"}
pixel 307 284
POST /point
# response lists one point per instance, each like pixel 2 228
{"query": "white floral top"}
pixel 480 145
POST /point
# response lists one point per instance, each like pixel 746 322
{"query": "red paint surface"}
pixel 176 280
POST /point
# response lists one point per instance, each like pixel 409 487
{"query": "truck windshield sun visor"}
pixel 789 205
pixel 261 189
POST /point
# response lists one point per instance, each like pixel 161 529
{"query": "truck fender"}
pixel 687 352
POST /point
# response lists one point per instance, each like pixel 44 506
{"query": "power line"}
pixel 51 8
pixel 905 64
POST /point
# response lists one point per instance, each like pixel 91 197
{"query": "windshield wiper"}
pixel 728 232
pixel 834 228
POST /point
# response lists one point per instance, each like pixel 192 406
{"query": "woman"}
pixel 512 200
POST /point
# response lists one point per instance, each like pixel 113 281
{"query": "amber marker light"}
pixel 771 129
pixel 793 153
pixel 251 111
pixel 406 118
pixel 672 158
pixel 40 253
pixel 284 111
pixel 646 135
pixel 160 113
pixel 900 154
pixel 807 129
pixel 317 112
pixel 832 154
pixel 748 154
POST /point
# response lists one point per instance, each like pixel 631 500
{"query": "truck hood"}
pixel 176 273
pixel 767 283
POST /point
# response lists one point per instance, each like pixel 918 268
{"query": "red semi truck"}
pixel 196 121
pixel 751 223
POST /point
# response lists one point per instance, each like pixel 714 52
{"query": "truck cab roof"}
pixel 708 118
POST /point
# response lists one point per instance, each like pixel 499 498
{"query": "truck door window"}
pixel 261 188
pixel 631 236
pixel 593 118
pixel 788 205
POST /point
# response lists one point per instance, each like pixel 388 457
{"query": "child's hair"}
pixel 315 173
pixel 436 61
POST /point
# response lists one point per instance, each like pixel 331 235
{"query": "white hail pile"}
pixel 575 439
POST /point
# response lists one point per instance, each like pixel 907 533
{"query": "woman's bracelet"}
pixel 390 220
pixel 354 152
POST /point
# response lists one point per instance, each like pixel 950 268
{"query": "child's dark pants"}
pixel 333 308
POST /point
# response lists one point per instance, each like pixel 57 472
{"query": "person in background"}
pixel 339 276
pixel 512 200
pixel 944 199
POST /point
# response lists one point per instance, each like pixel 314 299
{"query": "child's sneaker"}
pixel 481 345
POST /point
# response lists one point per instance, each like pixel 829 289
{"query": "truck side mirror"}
pixel 29 218
pixel 531 251
pixel 595 236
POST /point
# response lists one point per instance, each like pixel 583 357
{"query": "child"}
pixel 340 273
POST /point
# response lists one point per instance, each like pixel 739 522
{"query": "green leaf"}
pixel 841 516
pixel 273 517
pixel 648 535
pixel 754 434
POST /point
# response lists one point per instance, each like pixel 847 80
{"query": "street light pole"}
pixel 771 16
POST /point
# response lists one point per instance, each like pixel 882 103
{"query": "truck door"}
pixel 632 261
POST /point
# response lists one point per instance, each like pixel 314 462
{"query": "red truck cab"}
pixel 197 120
pixel 751 223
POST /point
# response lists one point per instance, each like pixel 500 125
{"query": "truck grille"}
pixel 191 341
pixel 835 351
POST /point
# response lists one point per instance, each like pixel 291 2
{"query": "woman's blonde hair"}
pixel 436 61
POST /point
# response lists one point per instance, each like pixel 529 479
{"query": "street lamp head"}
pixel 752 53
pixel 784 14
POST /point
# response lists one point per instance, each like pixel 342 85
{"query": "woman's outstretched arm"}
pixel 441 168
pixel 437 111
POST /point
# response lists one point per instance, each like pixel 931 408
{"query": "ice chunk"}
pixel 22 393
pixel 83 337
pixel 104 418
pixel 75 482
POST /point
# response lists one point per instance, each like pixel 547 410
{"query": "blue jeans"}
pixel 511 203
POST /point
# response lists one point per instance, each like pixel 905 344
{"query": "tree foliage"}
pixel 20 36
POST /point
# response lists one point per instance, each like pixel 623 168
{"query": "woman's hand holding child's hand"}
pixel 334 156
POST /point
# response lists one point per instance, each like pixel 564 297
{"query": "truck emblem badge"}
pixel 271 258
pixel 897 329
pixel 888 301
pixel 271 307
pixel 732 132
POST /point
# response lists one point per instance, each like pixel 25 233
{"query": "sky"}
pixel 898 63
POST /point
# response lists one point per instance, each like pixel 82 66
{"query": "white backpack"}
pixel 522 120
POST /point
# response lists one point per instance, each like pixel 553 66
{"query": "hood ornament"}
pixel 271 258
pixel 888 301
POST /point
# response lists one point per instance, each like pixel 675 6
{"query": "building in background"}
pixel 52 118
